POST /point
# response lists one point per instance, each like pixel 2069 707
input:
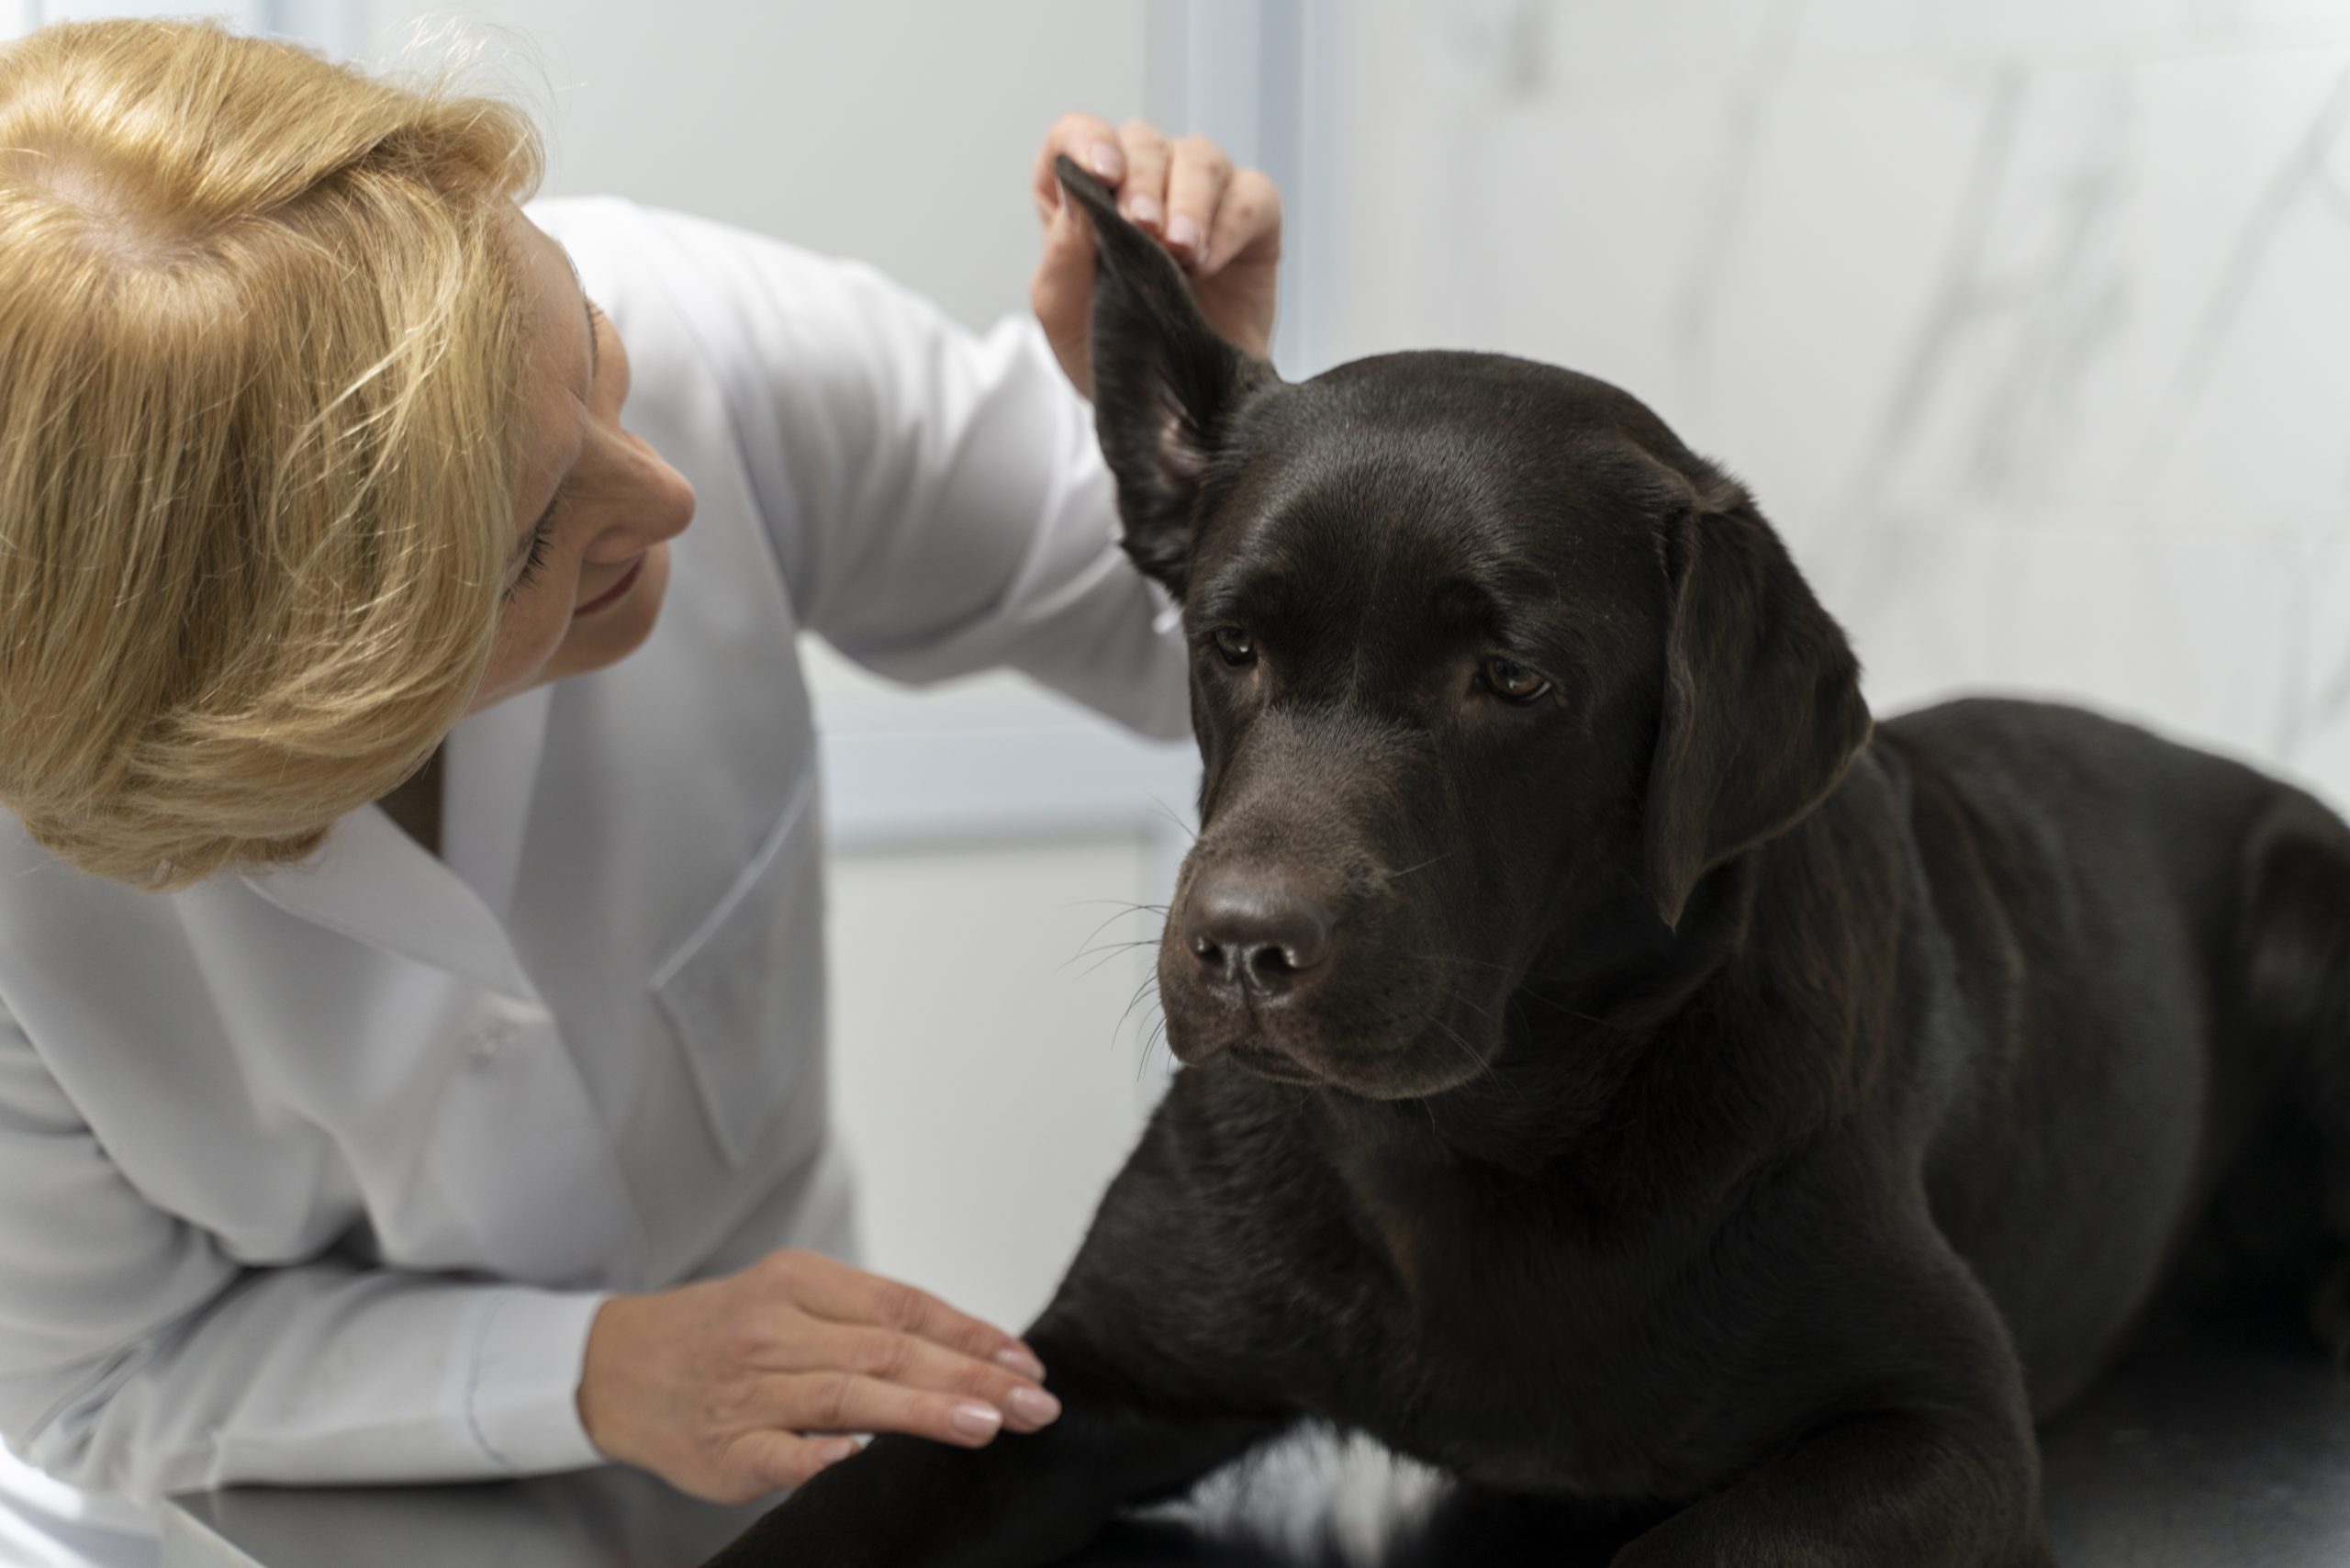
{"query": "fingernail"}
pixel 1183 233
pixel 1106 161
pixel 1014 1360
pixel 836 1451
pixel 1034 1404
pixel 1144 212
pixel 976 1420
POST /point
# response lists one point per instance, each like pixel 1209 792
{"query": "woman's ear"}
pixel 1763 707
pixel 1165 386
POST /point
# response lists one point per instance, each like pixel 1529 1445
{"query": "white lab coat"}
pixel 317 1174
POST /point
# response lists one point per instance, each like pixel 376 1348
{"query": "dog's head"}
pixel 1486 668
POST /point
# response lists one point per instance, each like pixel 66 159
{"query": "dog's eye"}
pixel 1234 646
pixel 1510 680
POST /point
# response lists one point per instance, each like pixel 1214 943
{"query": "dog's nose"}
pixel 1255 929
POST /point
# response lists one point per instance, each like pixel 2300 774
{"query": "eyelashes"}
pixel 536 559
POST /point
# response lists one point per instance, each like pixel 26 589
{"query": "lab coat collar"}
pixel 375 884
pixel 490 770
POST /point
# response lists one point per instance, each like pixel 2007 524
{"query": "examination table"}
pixel 2207 1454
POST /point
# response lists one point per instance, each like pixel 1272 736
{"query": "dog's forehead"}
pixel 1444 466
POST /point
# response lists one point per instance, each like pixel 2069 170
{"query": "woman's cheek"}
pixel 550 618
pixel 531 627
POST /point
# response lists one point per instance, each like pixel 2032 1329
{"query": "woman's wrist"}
pixel 600 1400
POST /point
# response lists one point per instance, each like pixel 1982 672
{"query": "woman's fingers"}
pixel 1142 196
pixel 1197 173
pixel 916 1363
pixel 1222 225
pixel 764 1462
pixel 845 1402
pixel 834 1290
pixel 1091 143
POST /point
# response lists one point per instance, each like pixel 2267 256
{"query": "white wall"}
pixel 2026 319
pixel 899 131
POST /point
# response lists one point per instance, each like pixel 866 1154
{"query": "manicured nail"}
pixel 1143 211
pixel 1183 234
pixel 1106 161
pixel 837 1450
pixel 1016 1361
pixel 976 1420
pixel 1034 1404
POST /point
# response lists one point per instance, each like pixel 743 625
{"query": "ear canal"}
pixel 1164 384
pixel 1763 709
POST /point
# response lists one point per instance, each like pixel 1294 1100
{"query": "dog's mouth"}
pixel 1432 1060
pixel 1274 1066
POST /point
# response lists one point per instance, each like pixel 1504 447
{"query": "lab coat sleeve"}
pixel 937 498
pixel 136 1358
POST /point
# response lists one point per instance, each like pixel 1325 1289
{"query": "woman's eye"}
pixel 1511 681
pixel 1234 646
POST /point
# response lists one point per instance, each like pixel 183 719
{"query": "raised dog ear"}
pixel 1763 707
pixel 1164 384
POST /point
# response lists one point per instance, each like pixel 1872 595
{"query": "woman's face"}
pixel 596 505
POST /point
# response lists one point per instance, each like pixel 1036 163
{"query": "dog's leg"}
pixel 1904 1488
pixel 1933 1466
pixel 1021 1502
pixel 1168 1360
pixel 2296 945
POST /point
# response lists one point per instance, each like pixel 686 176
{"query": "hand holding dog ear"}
pixel 1222 225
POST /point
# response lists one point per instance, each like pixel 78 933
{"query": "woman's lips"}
pixel 628 581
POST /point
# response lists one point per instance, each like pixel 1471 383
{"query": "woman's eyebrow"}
pixel 588 313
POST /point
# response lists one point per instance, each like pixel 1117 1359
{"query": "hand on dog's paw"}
pixel 732 1388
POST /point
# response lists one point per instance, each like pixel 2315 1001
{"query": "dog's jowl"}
pixel 1614 1073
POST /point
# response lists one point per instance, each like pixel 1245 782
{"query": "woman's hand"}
pixel 734 1387
pixel 1223 225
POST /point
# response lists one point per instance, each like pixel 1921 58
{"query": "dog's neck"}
pixel 1592 1012
pixel 1616 1047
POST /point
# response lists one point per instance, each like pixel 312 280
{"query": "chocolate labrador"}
pixel 1612 1072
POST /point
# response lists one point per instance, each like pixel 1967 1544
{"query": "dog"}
pixel 1617 1072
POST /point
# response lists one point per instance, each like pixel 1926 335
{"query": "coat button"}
pixel 486 1043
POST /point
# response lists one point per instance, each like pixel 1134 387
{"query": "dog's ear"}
pixel 1164 384
pixel 1762 708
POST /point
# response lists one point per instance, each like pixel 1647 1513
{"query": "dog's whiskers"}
pixel 1148 984
pixel 1399 876
pixel 1461 1040
pixel 1110 954
pixel 1158 1036
pixel 1123 910
pixel 1169 813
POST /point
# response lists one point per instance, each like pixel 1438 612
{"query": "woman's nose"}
pixel 665 503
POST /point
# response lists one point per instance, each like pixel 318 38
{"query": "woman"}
pixel 409 908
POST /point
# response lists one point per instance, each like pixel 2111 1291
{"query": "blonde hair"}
pixel 262 383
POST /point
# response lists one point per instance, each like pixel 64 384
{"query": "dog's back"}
pixel 2147 946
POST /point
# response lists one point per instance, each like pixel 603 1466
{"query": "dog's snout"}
pixel 1255 929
